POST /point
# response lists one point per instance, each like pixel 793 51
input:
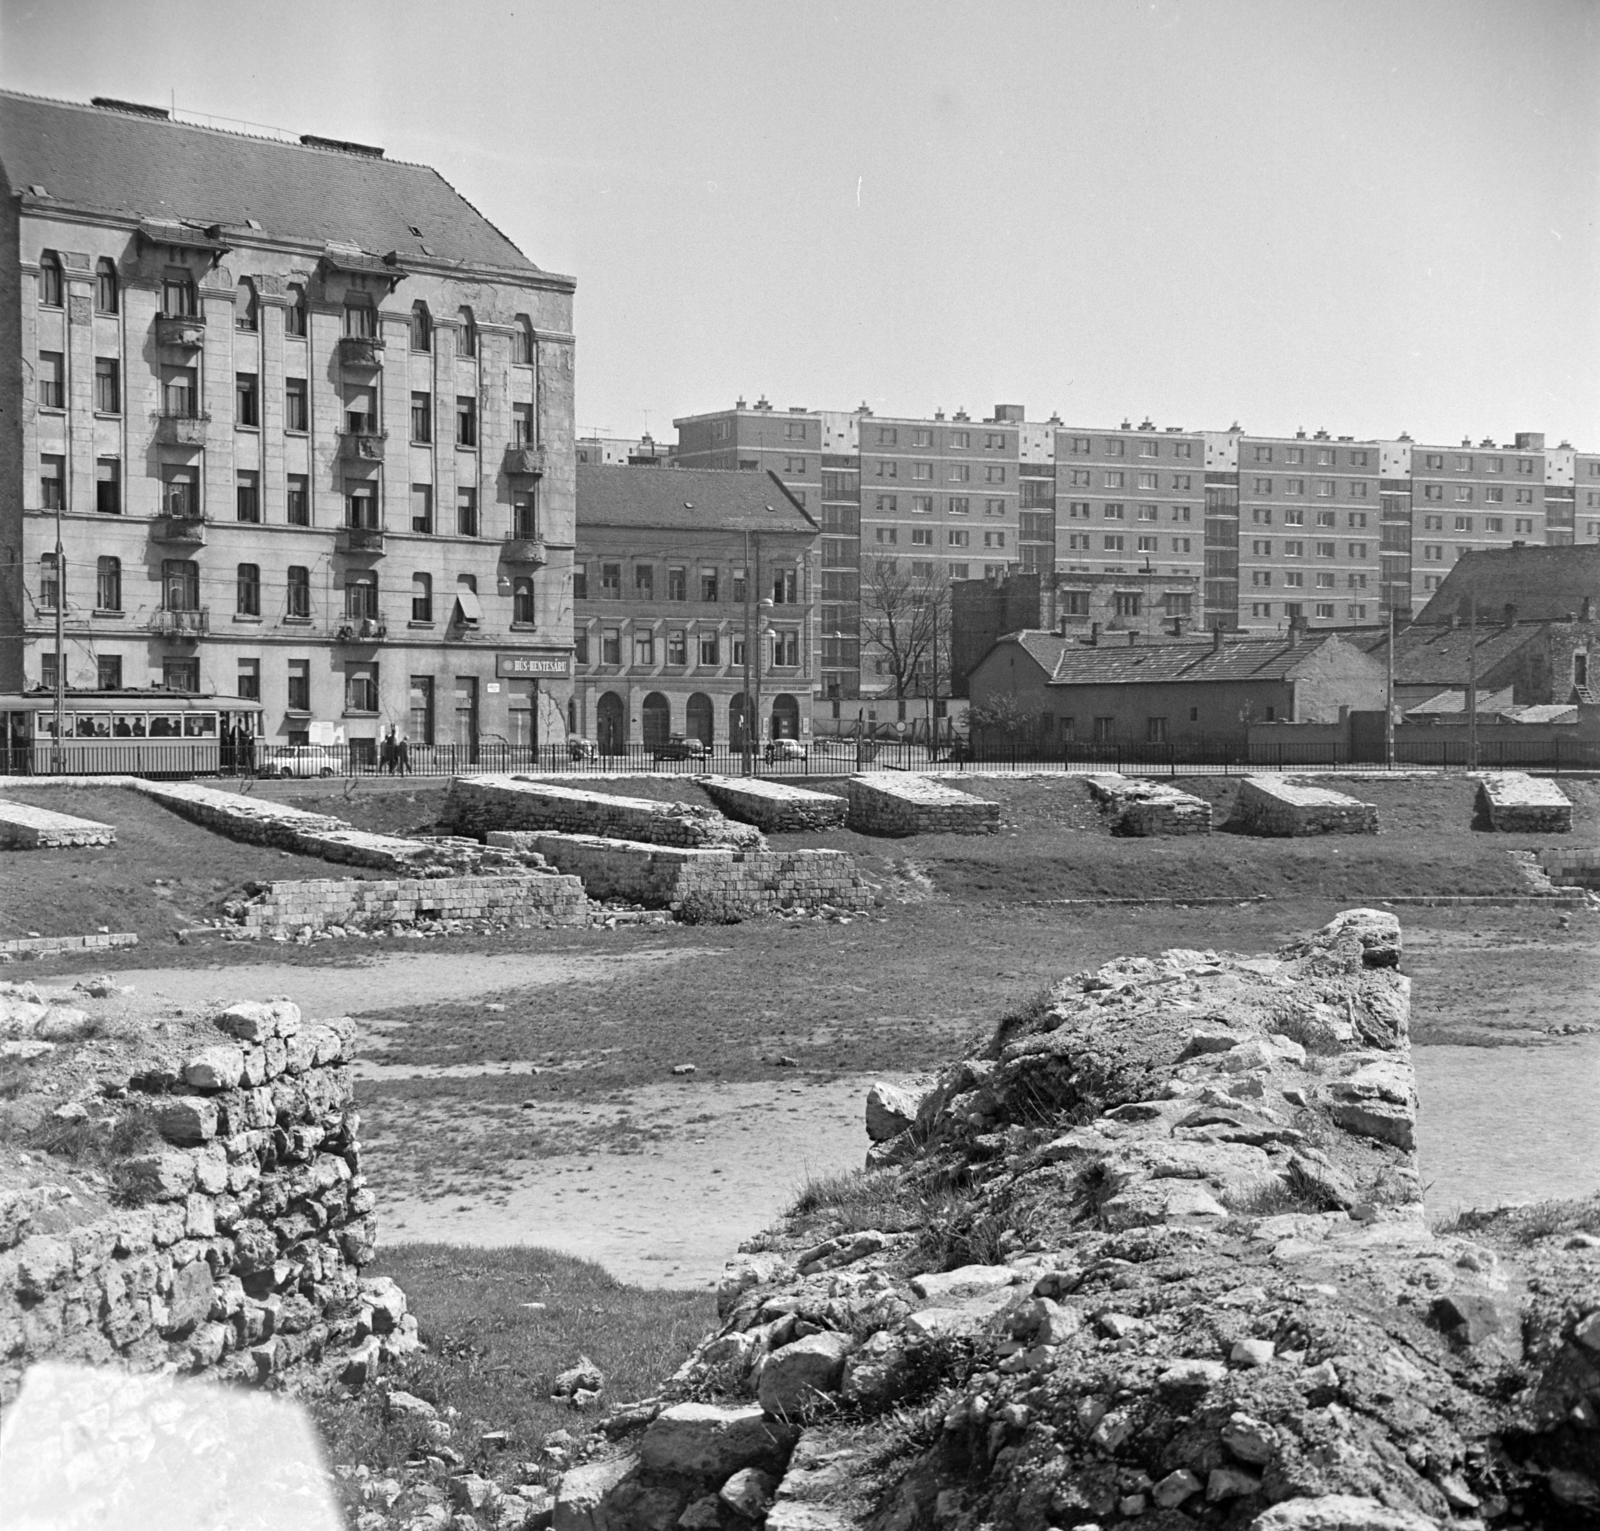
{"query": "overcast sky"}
pixel 1369 215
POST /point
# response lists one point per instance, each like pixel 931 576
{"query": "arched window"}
pixel 422 598
pixel 105 286
pixel 522 608
pixel 522 343
pixel 50 279
pixel 421 327
pixel 246 315
pixel 699 718
pixel 294 320
pixel 469 332
pixel 611 723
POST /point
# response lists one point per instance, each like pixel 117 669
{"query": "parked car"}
pixel 784 749
pixel 579 748
pixel 298 760
pixel 678 747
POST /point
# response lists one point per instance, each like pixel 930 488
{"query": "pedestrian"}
pixel 386 754
pixel 402 756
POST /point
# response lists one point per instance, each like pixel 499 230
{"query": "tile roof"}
pixel 1454 703
pixel 687 499
pixel 147 167
pixel 1071 661
pixel 1442 656
pixel 1543 583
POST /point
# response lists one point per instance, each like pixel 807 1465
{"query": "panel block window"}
pixel 247 400
pixel 296 404
pixel 522 425
pixel 247 590
pixel 422 508
pixel 466 422
pixel 247 496
pixel 297 501
pixel 107 289
pixel 108 486
pixel 51 286
pixel 52 380
pixel 710 649
pixel 108 584
pixel 297 604
pixel 180 492
pixel 360 687
pixel 299 695
pixel 960 505
pixel 422 598
pixel 52 483
pixel 107 386
pixel 421 417
pixel 522 607
pixel 466 512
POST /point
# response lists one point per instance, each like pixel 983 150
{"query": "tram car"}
pixel 133 733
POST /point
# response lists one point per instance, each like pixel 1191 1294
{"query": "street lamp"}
pixel 763 625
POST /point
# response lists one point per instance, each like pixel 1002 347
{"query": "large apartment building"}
pixel 302 419
pixel 1330 530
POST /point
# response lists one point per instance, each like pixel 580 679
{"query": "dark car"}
pixel 677 747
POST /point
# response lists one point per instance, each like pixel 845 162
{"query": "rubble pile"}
pixel 184 1191
pixel 1155 1254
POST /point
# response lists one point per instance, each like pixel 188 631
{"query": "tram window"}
pixel 137 722
pixel 94 725
pixel 45 725
pixel 165 725
pixel 199 725
pixel 122 726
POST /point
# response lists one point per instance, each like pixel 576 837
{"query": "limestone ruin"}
pixel 898 803
pixel 1513 803
pixel 1274 805
pixel 1139 807
pixel 23 828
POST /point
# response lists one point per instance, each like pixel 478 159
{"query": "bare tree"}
pixel 905 617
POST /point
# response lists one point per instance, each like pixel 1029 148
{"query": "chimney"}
pixel 1177 627
pixel 1299 626
pixel 1216 640
pixel 1510 615
pixel 1094 635
pixel 1455 620
pixel 1133 636
pixel 1586 612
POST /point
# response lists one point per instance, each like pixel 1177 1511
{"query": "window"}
pixel 922 536
pixel 1463 523
pixel 180 496
pixel 995 539
pixel 361 506
pixel 108 486
pixel 888 469
pixel 1325 610
pixel 1358 518
pixel 246 312
pixel 422 598
pixel 422 508
pixel 522 425
pixel 180 584
pixel 1148 544
pixel 786 648
pixel 50 284
pixel 1114 511
pixel 421 327
pixel 1356 581
pixel 1148 513
pixel 360 319
pixel 644 648
pixel 299 699
pixel 1325 488
pixel 1114 544
pixel 887 534
pixel 106 293
pixel 107 386
pixel 1463 494
pixel 1261 547
pixel 708 649
pixel 294 318
pixel 1358 489
pixel 960 440
pixel 181 675
pixel 1325 550
pixel 959 473
pixel 421 417
pixel 785 587
pixel 1525 497
pixel 180 395
pixel 52 483
pixel 677 583
pixel 1432 552
pixel 361 596
pixel 360 687
pixel 795 465
pixel 52 380
pixel 466 512
pixel 246 400
pixel 611 646
pixel 177 294
pixel 1261 577
pixel 49 583
pixel 1261 517
pixel 960 505
pixel 247 590
pixel 1180 544
pixel 708 586
pixel 248 681
pixel 580 648
pixel 298 603
pixel 1325 582
pixel 1433 491
pixel 1114 479
pixel 958 537
pixel 1356 549
pixel 644 582
pixel 296 404
pixel 525 515
pixel 1356 610
pixel 1263 454
pixel 522 342
pixel 794 430
pixel 922 504
pixel 994 473
pixel 888 436
pixel 108 584
pixel 1327 518
pixel 247 496
pixel 466 422
pixel 885 504
pixel 1105 730
pixel 108 677
pixel 994 507
pixel 1494 495
pixel 1294 550
pixel 1155 730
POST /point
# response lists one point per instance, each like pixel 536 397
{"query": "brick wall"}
pixel 1268 805
pixel 892 803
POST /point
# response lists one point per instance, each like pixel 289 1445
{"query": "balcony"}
pixel 181 625
pixel 186 331
pixel 524 462
pixel 524 550
pixel 361 630
pixel 361 351
pixel 362 446
pixel 189 531
pixel 182 430
pixel 361 540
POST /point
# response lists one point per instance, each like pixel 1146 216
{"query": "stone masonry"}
pixel 479 804
pixel 1513 803
pixel 717 884
pixel 1572 866
pixel 774 806
pixel 23 828
pixel 521 898
pixel 1150 808
pixel 223 1223
pixel 896 803
pixel 1269 805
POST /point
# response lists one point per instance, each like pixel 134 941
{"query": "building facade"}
pixel 299 445
pixel 677 572
pixel 1326 530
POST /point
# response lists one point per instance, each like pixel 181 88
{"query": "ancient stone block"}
pixel 1272 805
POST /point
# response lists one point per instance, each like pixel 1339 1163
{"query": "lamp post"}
pixel 762 624
pixel 59 756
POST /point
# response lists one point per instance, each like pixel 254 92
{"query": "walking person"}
pixel 402 756
pixel 386 754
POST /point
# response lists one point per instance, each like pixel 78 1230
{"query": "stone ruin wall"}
pixel 1141 808
pixel 24 828
pixel 1270 805
pixel 775 807
pixel 1513 803
pixel 479 804
pixel 898 804
pixel 228 1235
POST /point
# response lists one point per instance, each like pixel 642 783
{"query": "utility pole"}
pixel 1388 698
pixel 1472 684
pixel 744 700
pixel 59 761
